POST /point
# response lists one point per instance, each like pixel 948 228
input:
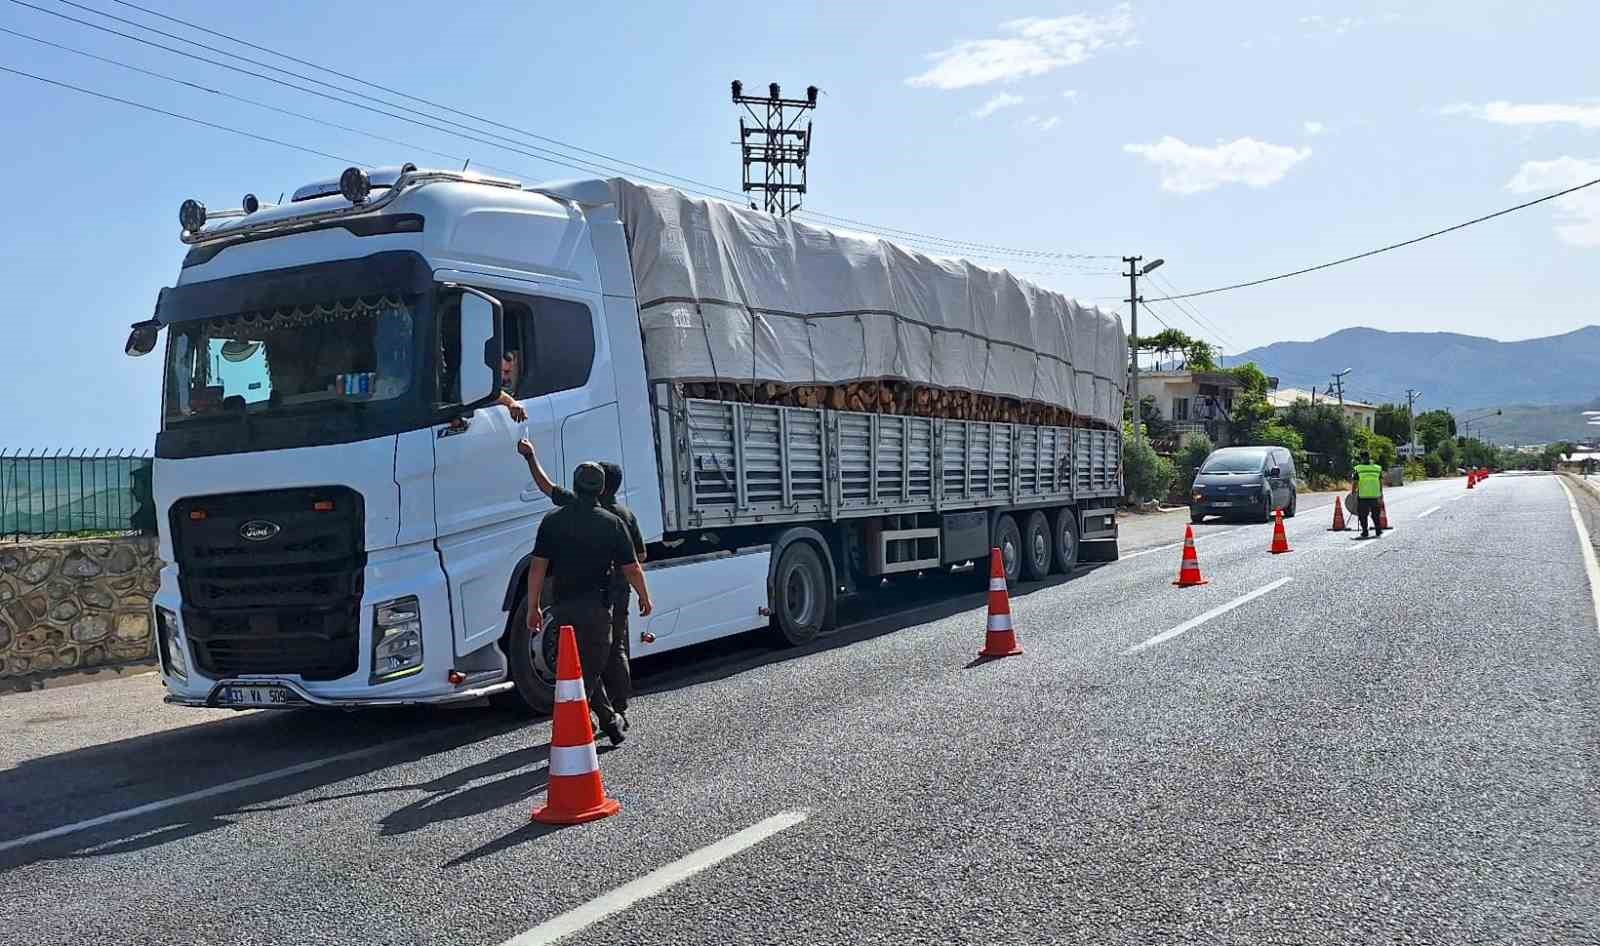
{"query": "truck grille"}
pixel 272 580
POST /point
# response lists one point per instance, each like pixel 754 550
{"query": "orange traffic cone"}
pixel 1280 538
pixel 1001 640
pixel 1383 515
pixel 575 794
pixel 1338 516
pixel 1472 480
pixel 1189 570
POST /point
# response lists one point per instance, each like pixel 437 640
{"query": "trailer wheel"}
pixel 1036 547
pixel 1008 539
pixel 802 597
pixel 533 666
pixel 1066 536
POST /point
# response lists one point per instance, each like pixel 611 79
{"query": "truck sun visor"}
pixel 393 272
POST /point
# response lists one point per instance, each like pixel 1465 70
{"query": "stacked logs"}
pixel 890 397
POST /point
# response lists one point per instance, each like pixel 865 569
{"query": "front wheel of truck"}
pixel 802 597
pixel 533 667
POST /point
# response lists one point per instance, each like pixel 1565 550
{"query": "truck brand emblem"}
pixel 258 530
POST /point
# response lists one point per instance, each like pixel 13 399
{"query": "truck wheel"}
pixel 533 667
pixel 802 595
pixel 1008 539
pixel 1066 541
pixel 1036 547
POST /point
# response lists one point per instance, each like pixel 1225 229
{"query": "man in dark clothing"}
pixel 619 674
pixel 581 545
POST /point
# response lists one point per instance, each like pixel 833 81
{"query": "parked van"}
pixel 1244 480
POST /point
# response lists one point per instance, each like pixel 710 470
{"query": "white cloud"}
pixel 1314 128
pixel 1070 95
pixel 1042 123
pixel 1003 100
pixel 1031 46
pixel 1340 25
pixel 1190 169
pixel 1584 115
pixel 1578 215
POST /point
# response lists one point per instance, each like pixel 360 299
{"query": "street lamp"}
pixel 1151 267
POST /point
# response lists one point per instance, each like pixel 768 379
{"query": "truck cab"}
pixel 341 506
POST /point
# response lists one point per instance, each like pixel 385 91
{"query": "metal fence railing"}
pixel 74 492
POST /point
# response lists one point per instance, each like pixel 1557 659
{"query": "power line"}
pixel 1385 249
pixel 901 233
pixel 1192 312
pixel 187 118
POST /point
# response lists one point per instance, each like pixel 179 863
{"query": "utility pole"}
pixel 1133 274
pixel 1336 386
pixel 1411 419
pixel 777 143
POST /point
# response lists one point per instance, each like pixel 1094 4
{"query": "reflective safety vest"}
pixel 1369 481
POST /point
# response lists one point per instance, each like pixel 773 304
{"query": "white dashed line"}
pixel 655 882
pixel 1428 512
pixel 1217 611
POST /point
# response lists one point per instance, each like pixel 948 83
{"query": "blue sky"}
pixel 1235 140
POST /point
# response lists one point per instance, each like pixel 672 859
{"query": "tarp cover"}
pixel 730 294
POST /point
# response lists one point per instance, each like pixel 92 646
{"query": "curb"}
pixel 14 686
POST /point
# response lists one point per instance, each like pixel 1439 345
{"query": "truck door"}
pixel 486 507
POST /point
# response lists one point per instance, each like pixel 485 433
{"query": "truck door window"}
pixel 563 345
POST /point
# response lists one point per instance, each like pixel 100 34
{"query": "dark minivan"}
pixel 1244 480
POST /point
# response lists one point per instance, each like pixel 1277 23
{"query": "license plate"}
pixel 258 696
pixel 1221 503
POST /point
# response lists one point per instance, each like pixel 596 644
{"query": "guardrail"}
pixel 74 492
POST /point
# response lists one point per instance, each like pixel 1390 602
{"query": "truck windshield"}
pixel 314 357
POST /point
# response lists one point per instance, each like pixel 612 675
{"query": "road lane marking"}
pixel 1213 535
pixel 203 793
pixel 1159 548
pixel 1590 566
pixel 1217 611
pixel 655 882
pixel 1428 512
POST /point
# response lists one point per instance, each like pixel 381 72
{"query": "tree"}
pixel 1325 432
pixel 1146 474
pixel 1278 435
pixel 1251 413
pixel 1380 448
pixel 1393 422
pixel 1188 459
pixel 1450 455
pixel 1434 428
pixel 1197 355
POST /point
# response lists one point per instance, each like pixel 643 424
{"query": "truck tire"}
pixel 533 670
pixel 802 596
pixel 1037 543
pixel 1008 539
pixel 1066 541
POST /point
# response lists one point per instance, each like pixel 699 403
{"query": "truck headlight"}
pixel 396 639
pixel 172 658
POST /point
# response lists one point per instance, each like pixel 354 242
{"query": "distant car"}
pixel 1252 481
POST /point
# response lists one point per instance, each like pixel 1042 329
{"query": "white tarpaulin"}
pixel 731 294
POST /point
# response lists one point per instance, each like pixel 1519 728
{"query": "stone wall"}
pixel 76 604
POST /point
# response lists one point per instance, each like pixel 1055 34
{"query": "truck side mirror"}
pixel 480 349
pixel 142 338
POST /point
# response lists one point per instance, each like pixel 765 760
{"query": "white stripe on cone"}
pixel 999 622
pixel 569 691
pixel 997 584
pixel 573 760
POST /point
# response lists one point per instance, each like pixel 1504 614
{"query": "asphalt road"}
pixel 1392 740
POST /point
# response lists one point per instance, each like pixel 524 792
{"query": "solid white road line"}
pixel 203 793
pixel 655 882
pixel 1217 611
pixel 1428 512
pixel 1159 548
pixel 1589 564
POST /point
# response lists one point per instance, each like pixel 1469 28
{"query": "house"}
pixel 1358 413
pixel 1192 402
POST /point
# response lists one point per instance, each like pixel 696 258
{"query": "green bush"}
pixel 1146 474
pixel 1188 460
pixel 1416 470
pixel 1434 464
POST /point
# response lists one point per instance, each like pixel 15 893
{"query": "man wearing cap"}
pixel 1368 483
pixel 618 673
pixel 580 545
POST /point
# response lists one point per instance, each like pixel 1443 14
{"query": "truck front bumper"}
pixel 299 697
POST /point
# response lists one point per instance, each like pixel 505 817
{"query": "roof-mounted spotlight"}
pixel 738 89
pixel 192 215
pixel 772 91
pixel 251 204
pixel 355 185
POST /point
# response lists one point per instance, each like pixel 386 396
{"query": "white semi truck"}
pixel 345 520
